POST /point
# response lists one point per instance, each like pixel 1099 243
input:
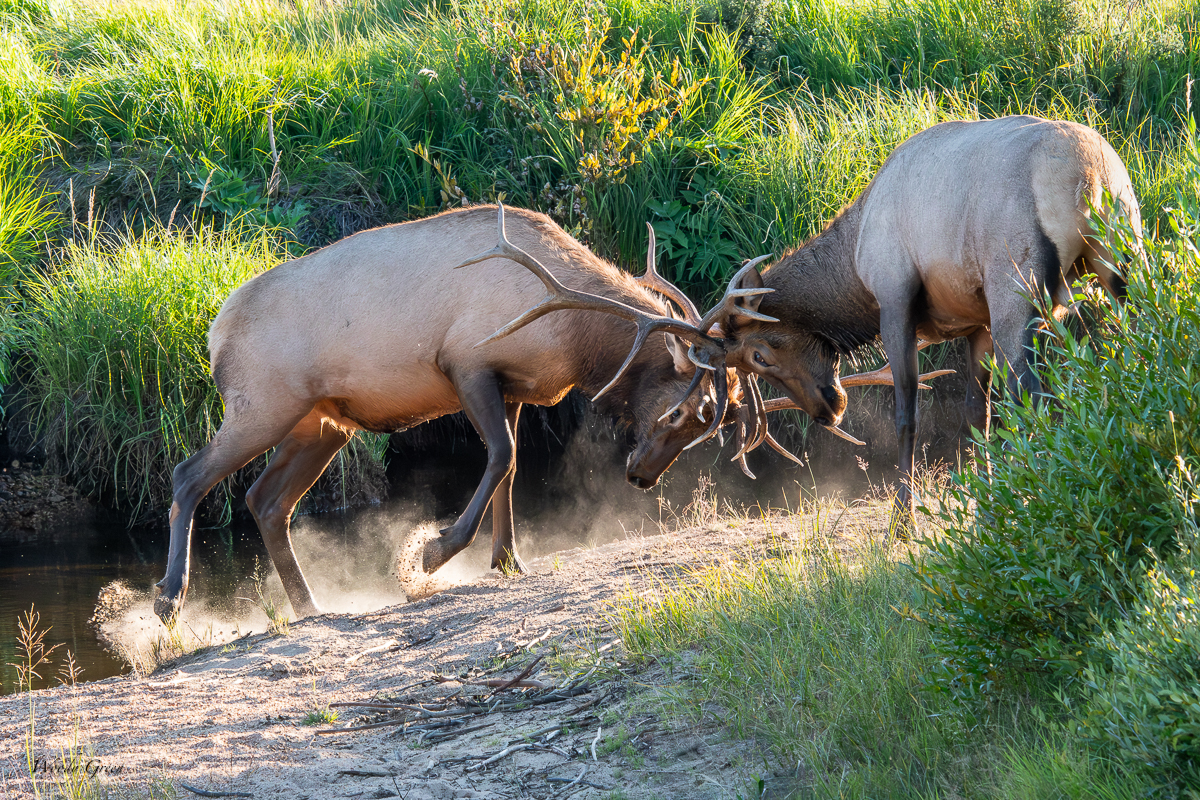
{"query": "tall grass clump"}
pixel 114 343
pixel 1050 544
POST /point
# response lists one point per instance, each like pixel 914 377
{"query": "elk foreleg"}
pixel 242 437
pixel 483 400
pixel 898 330
pixel 295 466
pixel 504 551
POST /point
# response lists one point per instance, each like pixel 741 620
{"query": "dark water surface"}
pixel 60 574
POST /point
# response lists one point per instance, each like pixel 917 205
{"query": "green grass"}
pixel 388 109
pixel 815 655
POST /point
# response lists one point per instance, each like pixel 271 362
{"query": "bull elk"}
pixel 964 228
pixel 381 332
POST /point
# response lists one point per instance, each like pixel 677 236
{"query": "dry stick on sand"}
pixel 524 674
pixel 573 781
pixel 508 751
pixel 561 792
pixel 390 644
pixel 596 741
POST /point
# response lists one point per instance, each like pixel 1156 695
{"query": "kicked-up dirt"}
pixel 505 687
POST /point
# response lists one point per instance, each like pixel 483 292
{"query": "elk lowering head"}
pixel 696 348
pixel 676 405
pixel 799 361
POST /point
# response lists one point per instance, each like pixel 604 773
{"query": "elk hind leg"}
pixel 244 435
pixel 979 381
pixel 504 551
pixel 483 400
pixel 295 466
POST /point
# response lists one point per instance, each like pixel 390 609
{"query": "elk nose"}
pixel 830 395
pixel 640 482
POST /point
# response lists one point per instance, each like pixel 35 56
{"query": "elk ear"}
pixel 678 351
pixel 751 280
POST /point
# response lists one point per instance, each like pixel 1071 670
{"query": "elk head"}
pixel 801 364
pixel 798 363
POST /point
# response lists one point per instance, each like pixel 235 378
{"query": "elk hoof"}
pixel 434 556
pixel 510 564
pixel 167 607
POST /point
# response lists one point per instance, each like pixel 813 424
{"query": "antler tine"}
pixel 728 306
pixel 654 281
pixel 783 451
pixel 740 458
pixel 883 377
pixel 721 380
pixel 696 378
pixel 560 298
pixel 757 432
pixel 841 434
pixel 781 403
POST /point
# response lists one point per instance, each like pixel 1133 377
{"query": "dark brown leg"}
pixel 242 436
pixel 295 466
pixel 483 401
pixel 979 382
pixel 504 551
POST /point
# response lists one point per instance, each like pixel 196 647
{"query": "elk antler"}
pixel 883 376
pixel 728 306
pixel 879 377
pixel 781 403
pixel 652 280
pixel 560 298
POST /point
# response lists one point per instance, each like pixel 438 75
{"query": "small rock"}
pixel 55 497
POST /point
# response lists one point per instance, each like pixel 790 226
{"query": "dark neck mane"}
pixel 817 288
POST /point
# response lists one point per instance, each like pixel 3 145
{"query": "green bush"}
pixel 1143 701
pixel 1051 544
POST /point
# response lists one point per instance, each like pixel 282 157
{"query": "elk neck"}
pixel 817 287
pixel 604 342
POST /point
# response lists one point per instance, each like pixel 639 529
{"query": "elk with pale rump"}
pixel 379 332
pixel 964 229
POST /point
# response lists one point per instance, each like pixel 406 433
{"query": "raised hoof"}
pixel 434 555
pixel 168 606
pixel 311 610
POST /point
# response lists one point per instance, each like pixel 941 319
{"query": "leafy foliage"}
pixel 1143 699
pixel 696 247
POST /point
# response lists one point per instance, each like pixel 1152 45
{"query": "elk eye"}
pixel 758 359
pixel 676 414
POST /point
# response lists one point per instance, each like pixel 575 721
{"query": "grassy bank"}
pixel 812 651
pixel 387 110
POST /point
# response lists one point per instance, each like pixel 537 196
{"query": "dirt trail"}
pixel 231 718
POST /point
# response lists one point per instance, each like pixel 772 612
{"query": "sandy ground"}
pixel 230 718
